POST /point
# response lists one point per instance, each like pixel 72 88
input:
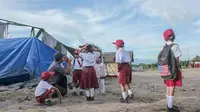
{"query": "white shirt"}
pixel 175 49
pixel 89 59
pixel 42 87
pixel 76 65
pixel 100 70
pixel 122 56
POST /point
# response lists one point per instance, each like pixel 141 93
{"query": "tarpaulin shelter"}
pixel 22 59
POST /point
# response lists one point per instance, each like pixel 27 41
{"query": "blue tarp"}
pixel 23 58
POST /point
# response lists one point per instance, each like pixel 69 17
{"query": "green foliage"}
pixel 183 64
pixel 197 58
pixel 153 66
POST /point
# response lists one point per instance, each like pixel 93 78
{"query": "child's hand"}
pixel 65 58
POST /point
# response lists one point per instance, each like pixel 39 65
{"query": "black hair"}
pixel 121 46
pixel 89 48
pixel 58 56
pixel 171 38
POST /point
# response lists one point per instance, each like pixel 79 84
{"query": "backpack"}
pixel 167 65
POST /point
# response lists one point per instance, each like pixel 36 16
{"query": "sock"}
pixel 124 95
pixel 103 85
pixel 167 98
pixel 80 90
pixel 74 89
pixel 170 101
pixel 92 92
pixel 87 93
pixel 130 92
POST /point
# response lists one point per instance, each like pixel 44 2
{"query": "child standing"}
pixel 44 90
pixel 123 60
pixel 101 74
pixel 77 66
pixel 89 79
pixel 169 37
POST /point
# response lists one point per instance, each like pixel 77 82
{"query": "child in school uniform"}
pixel 123 60
pixel 169 37
pixel 101 74
pixel 89 79
pixel 77 67
pixel 44 90
pixel 192 65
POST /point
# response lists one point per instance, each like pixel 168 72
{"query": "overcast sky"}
pixel 140 23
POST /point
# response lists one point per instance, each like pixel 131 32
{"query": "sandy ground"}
pixel 147 86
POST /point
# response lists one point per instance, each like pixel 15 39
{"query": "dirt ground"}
pixel 147 86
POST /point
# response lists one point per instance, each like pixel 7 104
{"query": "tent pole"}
pixel 18 24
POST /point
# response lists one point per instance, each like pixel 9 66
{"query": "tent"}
pixel 22 59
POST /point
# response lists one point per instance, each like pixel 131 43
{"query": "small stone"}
pixel 193 89
pixel 20 108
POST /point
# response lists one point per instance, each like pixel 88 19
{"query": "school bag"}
pixel 167 65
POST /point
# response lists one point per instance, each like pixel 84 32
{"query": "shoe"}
pixel 175 106
pixel 130 97
pixel 81 93
pixel 173 109
pixel 77 86
pixel 48 103
pixel 122 100
pixel 70 86
pixel 88 98
pixel 92 98
pixel 74 94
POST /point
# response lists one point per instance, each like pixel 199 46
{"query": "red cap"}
pixel 118 42
pixel 47 75
pixel 168 33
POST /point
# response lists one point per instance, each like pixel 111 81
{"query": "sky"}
pixel 140 23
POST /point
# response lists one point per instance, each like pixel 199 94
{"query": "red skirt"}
pixel 125 73
pixel 89 78
pixel 77 76
pixel 175 82
pixel 192 65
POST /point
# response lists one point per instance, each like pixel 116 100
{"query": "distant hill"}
pixel 138 61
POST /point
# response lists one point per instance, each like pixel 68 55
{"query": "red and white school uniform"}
pixel 89 78
pixel 196 64
pixel 43 90
pixel 192 64
pixel 178 81
pixel 77 65
pixel 123 60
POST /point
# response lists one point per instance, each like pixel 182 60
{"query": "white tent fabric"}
pixel 3 27
pixel 65 51
pixel 49 40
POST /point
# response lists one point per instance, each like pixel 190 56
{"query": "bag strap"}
pixel 79 63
